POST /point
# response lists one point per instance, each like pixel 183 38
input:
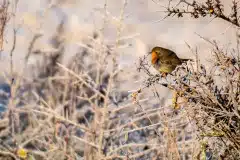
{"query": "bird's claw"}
pixel 164 75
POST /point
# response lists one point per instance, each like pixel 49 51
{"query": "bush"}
pixel 83 109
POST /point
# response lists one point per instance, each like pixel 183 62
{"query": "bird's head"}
pixel 155 55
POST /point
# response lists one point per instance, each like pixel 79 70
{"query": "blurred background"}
pixel 87 38
pixel 143 27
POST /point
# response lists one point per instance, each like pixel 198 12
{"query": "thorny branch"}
pixel 215 105
pixel 212 8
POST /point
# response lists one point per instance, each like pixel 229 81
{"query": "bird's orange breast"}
pixel 154 57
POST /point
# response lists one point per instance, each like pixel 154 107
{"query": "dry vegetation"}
pixel 79 111
pixel 4 17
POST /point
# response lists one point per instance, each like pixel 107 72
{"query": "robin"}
pixel 165 60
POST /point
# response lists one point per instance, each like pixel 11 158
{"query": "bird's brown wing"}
pixel 185 60
pixel 170 57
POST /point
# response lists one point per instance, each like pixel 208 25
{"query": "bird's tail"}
pixel 185 60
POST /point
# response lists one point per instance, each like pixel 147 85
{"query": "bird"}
pixel 165 61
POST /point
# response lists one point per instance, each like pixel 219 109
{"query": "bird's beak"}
pixel 148 53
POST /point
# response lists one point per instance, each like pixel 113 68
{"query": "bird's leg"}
pixel 164 75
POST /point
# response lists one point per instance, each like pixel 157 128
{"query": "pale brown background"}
pixel 82 17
